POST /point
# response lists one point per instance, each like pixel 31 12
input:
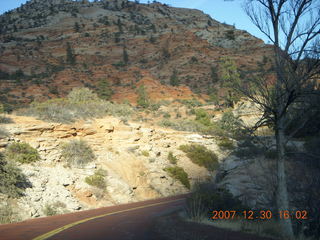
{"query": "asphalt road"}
pixel 121 222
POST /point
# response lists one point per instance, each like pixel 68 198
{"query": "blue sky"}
pixel 227 11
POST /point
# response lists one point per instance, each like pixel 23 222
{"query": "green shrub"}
pixel 22 153
pixel 49 210
pixel 226 143
pixel 201 156
pixel 97 180
pixel 12 180
pixel 179 174
pixel 172 159
pixel 203 117
pixel 77 153
pixel 194 59
pixel 54 208
pixel 166 115
pixel 145 153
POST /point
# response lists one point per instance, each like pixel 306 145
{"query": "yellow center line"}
pixel 58 230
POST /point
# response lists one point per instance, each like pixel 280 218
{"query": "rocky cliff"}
pixel 120 150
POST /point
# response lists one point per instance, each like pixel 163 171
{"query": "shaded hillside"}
pixel 49 47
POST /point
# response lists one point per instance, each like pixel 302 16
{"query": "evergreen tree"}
pixel 229 76
pixel 142 97
pixel 71 59
pixel 104 91
pixel 76 27
pixel 125 56
pixel 214 74
pixel 174 80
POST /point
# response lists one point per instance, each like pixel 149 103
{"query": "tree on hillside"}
pixel 293 27
pixel 76 27
pixel 174 78
pixel 143 100
pixel 125 56
pixel 229 77
pixel 104 91
pixel 71 58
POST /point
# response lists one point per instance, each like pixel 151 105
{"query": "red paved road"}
pixel 135 221
pixel 117 226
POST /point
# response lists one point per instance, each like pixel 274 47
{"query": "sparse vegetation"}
pixel 172 159
pixel 179 174
pixel 77 153
pixel 201 156
pixel 81 103
pixel 12 180
pixel 97 180
pixel 22 153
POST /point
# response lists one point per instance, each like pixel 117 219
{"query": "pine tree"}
pixel 174 80
pixel 76 27
pixel 142 97
pixel 125 56
pixel 104 91
pixel 71 59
